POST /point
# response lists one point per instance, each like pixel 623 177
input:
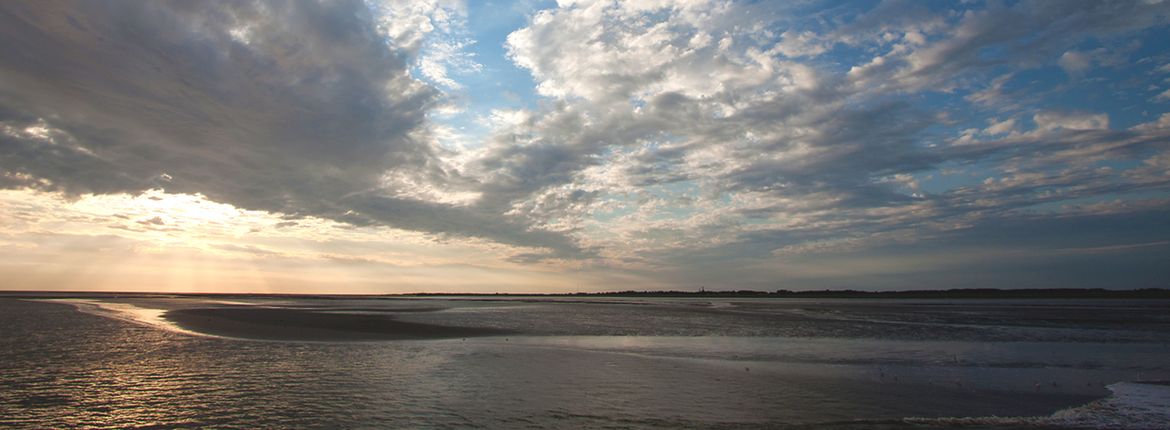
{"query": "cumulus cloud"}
pixel 301 108
pixel 773 153
pixel 432 31
pixel 666 135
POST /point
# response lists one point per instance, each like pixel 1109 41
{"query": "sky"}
pixel 539 146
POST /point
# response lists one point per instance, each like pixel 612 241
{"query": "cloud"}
pixel 1075 63
pixel 153 221
pixel 667 137
pixel 310 102
pixel 1001 127
pixel 773 153
pixel 1022 35
pixel 432 31
pixel 1048 121
pixel 301 108
pixel 735 120
pixel 1163 97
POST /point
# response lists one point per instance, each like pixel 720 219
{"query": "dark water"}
pixel 622 364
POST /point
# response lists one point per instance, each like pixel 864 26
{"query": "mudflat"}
pixel 253 322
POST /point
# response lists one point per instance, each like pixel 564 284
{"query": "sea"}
pixel 606 363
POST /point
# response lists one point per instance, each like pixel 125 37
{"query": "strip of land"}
pixel 252 322
pixel 963 293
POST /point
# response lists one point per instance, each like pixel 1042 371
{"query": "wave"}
pixel 1131 406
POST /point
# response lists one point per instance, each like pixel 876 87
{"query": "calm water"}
pixel 664 363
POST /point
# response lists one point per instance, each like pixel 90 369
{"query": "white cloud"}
pixel 610 52
pixel 1163 122
pixel 801 44
pixel 1001 127
pixel 1048 121
pixel 1163 97
pixel 1075 63
pixel 435 32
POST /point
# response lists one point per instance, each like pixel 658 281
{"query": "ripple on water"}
pixel 62 368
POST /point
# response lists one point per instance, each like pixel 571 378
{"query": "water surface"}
pixel 638 363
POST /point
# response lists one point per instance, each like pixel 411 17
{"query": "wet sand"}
pixel 252 322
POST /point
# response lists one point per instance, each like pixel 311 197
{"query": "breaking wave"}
pixel 1132 405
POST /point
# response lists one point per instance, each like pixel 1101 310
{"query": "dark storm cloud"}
pixel 278 106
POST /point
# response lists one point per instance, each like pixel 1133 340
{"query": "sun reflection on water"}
pixel 151 317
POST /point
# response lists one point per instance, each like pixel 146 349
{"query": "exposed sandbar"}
pixel 252 322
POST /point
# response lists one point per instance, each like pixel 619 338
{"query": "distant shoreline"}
pixel 1072 293
pixel 977 293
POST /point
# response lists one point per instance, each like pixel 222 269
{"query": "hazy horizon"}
pixel 370 147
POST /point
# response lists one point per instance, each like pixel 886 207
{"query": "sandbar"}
pixel 275 323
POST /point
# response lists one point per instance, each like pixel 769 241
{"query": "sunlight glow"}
pixel 160 241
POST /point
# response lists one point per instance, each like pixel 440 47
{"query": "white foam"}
pixel 1132 406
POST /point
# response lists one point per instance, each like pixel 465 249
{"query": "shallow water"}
pixel 645 363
